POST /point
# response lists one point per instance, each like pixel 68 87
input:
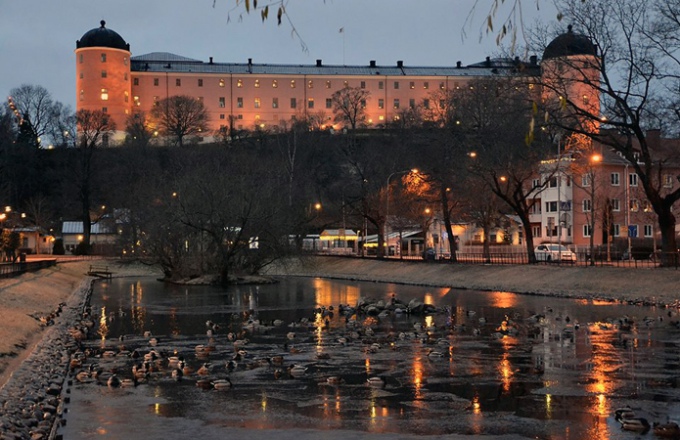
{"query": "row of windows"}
pixel 105 75
pixel 102 58
pixel 633 205
pixel 647 230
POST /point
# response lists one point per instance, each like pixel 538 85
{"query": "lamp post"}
pixel 387 206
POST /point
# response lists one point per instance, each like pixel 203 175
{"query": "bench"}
pixel 100 271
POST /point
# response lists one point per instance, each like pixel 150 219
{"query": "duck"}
pixel 667 430
pixel 113 381
pixel 375 382
pixel 222 384
pixel 177 374
pixel 204 370
pixel 635 424
pixel 623 413
pixel 334 380
pixel 128 382
pixel 297 370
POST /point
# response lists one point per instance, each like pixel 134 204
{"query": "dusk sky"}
pixel 38 37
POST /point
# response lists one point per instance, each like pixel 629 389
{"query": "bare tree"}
pixel 138 131
pixel 34 105
pixel 179 117
pixel 349 106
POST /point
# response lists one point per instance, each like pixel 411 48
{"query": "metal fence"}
pixel 13 269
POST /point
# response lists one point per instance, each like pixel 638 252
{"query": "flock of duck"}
pixel 137 360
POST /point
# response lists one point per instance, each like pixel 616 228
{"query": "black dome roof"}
pixel 569 43
pixel 102 37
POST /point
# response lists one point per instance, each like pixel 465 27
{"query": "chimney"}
pixel 250 61
pixel 211 61
pixel 372 63
pixel 488 61
pixel 318 63
pixel 400 64
pixel 459 64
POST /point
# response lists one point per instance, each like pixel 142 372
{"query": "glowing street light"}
pixel 387 205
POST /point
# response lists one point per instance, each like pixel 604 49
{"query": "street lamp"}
pixel 387 205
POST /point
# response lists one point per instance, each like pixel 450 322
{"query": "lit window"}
pixel 221 83
pixel 442 86
pixel 531 87
pixel 412 85
pixel 292 83
pixel 345 83
pixel 634 205
pixel 363 84
pixel 239 102
pixel 82 95
pixel 275 84
pixel 396 104
pixel 103 73
pixel 411 103
pixel 127 96
pixel 257 103
pixel 135 81
pixel 125 61
pixel 310 84
pixel 585 99
pixel 222 102
pixel 426 85
pixel 155 81
pixel 310 103
pixel 381 118
pixel 155 100
pixel 363 103
pixel 257 83
pixel 200 82
pixel 329 103
pixel 105 94
pixel 381 103
pixel 136 100
pixel 178 82
pixel 239 83
pixel 275 102
pixel 103 58
pixel 328 84
pixel 647 206
pixel 199 99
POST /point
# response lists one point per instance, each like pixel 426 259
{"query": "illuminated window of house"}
pixel 103 58
pixel 328 84
pixel 362 84
pixel 396 85
pixel 634 205
pixel 135 81
pixel 275 84
pixel 103 73
pixel 345 83
pixel 239 83
pixel 127 96
pixel 585 99
pixel 396 104
pixel 293 103
pixel 310 103
pixel 221 83
pixel 199 99
pixel 442 86
pixel 310 84
pixel 155 81
pixel 381 85
pixel 105 94
pixel 125 61
pixel 257 103
pixel 257 83
pixel 292 83
pixel 411 103
pixel 381 103
pixel 412 85
pixel 329 103
pixel 200 82
pixel 362 103
pixel 239 102
pixel 531 87
pixel 222 102
pixel 82 95
pixel 155 100
pixel 178 82
pixel 647 206
pixel 275 102
pixel 426 85
pixel 136 100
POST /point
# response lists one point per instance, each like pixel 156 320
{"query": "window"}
pixel 328 84
pixel 412 85
pixel 648 230
pixel 293 103
pixel 239 83
pixel 426 85
pixel 81 75
pixel 426 103
pixel 257 83
pixel 155 100
pixel 381 85
pixel 310 103
pixel 615 179
pixel 222 102
pixel 442 103
pixel 585 99
pixel 103 58
pixel 178 82
pixel 135 82
pixel 221 83
pixel 345 84
pixel 199 99
pixel 633 179
pixel 586 179
pixel 396 85
pixel 362 103
pixel 239 102
pixel 125 76
pixel 103 73
pixel 82 95
pixel 536 183
pixel 105 109
pixel 442 86
pixel 155 81
pixel 550 206
pixel 126 96
pixel 587 231
pixel 616 205
pixel 105 94
pixel 552 183
pixel 292 83
pixel 617 230
pixel 536 231
pixel 275 102
pixel 668 181
pixel 396 104
pixel 256 103
pixel 200 82
pixel 125 61
pixel 647 206
pixel 381 103
pixel 275 84
pixel 411 103
pixel 634 205
pixel 329 103
pixel 586 205
pixel 362 84
pixel 221 116
pixel 310 84
pixel 80 58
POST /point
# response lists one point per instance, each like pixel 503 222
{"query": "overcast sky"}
pixel 38 37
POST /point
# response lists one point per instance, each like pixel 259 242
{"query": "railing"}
pixel 13 269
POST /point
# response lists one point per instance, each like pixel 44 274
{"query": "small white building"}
pixel 100 233
pixel 34 240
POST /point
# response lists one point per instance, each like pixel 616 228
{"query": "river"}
pixel 494 363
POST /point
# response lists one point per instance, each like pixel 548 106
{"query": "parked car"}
pixel 554 252
pixel 429 254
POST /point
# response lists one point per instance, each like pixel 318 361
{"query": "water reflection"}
pixel 559 367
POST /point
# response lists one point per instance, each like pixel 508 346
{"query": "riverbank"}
pixel 638 285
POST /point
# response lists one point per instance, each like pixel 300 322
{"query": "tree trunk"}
pixel 669 246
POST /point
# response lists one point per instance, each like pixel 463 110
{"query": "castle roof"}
pixel 102 37
pixel 568 44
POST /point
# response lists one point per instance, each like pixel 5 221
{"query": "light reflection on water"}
pixel 501 369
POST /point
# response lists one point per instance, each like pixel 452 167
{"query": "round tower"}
pixel 103 80
pixel 570 71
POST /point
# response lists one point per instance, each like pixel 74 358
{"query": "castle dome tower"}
pixel 570 69
pixel 103 75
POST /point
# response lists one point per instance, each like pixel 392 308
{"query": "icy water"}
pixel 485 363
